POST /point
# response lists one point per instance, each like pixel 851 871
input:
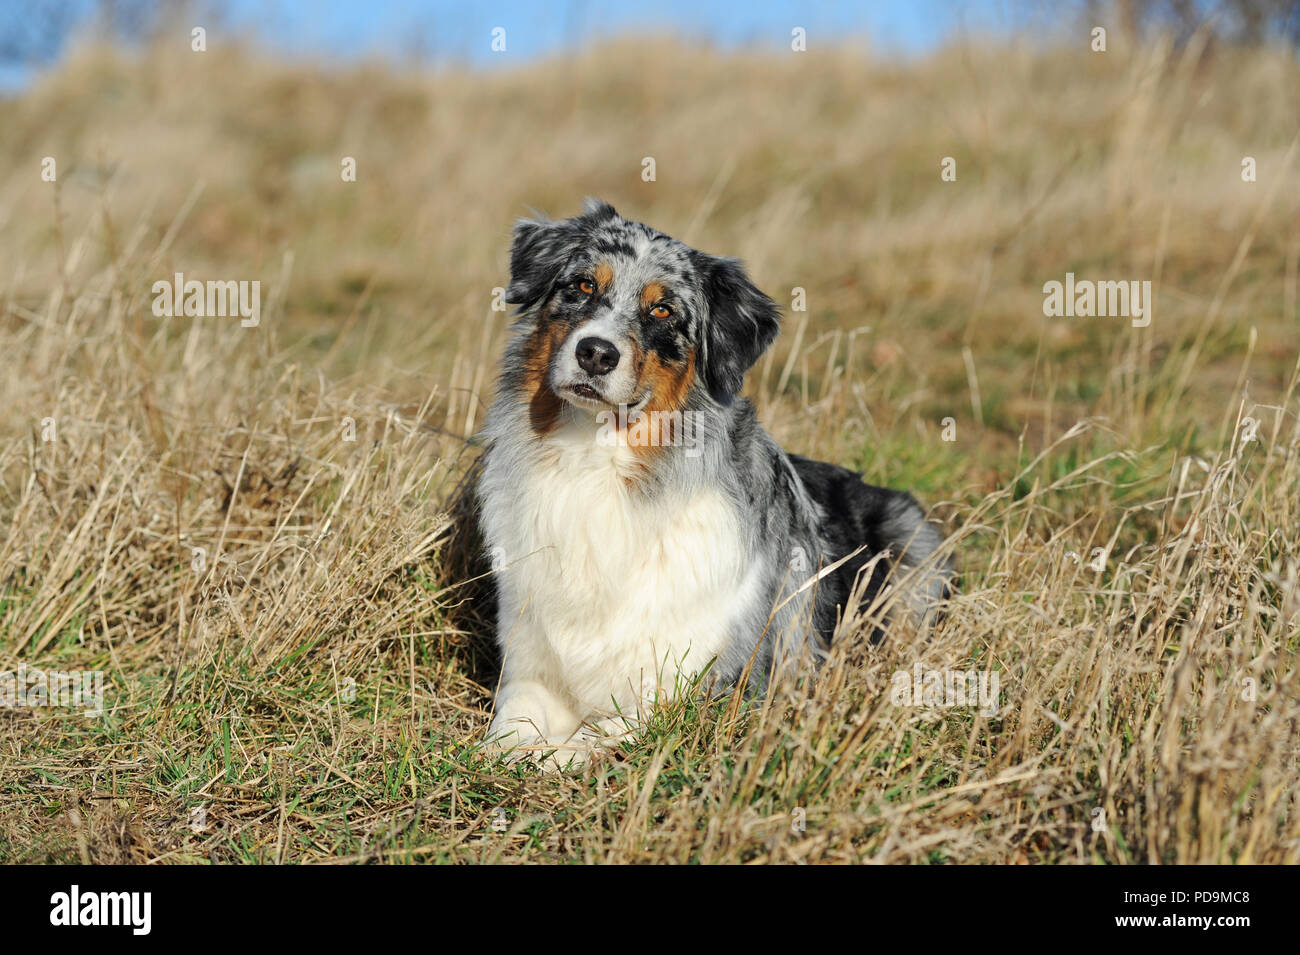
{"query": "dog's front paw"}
pixel 516 747
pixel 513 736
pixel 532 723
pixel 512 743
pixel 520 739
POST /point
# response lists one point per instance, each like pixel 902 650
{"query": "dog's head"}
pixel 624 315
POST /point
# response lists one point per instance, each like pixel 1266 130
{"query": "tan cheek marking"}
pixel 668 385
pixel 543 404
pixel 604 276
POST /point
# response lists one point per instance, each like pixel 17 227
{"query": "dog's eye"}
pixel 586 287
pixel 660 311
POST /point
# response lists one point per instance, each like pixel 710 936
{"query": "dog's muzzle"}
pixel 596 356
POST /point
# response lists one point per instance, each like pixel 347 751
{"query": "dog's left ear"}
pixel 539 251
pixel 742 322
pixel 542 247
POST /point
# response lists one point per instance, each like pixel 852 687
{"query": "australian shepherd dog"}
pixel 644 529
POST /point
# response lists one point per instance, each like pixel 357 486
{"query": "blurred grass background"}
pixel 820 169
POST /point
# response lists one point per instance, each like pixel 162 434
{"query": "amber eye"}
pixel 586 287
pixel 660 311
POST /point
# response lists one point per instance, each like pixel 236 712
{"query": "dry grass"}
pixel 319 681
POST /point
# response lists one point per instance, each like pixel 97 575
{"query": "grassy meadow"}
pixel 255 532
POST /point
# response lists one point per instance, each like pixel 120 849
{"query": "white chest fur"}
pixel 607 596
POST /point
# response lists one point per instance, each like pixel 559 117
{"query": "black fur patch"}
pixel 857 513
pixel 742 323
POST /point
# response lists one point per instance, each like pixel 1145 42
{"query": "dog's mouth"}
pixel 586 392
pixel 588 396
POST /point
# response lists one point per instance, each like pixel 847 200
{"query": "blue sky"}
pixel 442 30
pixel 462 31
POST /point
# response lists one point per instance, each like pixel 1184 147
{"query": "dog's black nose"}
pixel 596 356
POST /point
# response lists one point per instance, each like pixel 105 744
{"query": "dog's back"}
pixel 872 521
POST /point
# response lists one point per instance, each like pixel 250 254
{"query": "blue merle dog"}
pixel 643 526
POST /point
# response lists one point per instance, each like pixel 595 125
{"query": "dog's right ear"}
pixel 540 250
pixel 742 322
